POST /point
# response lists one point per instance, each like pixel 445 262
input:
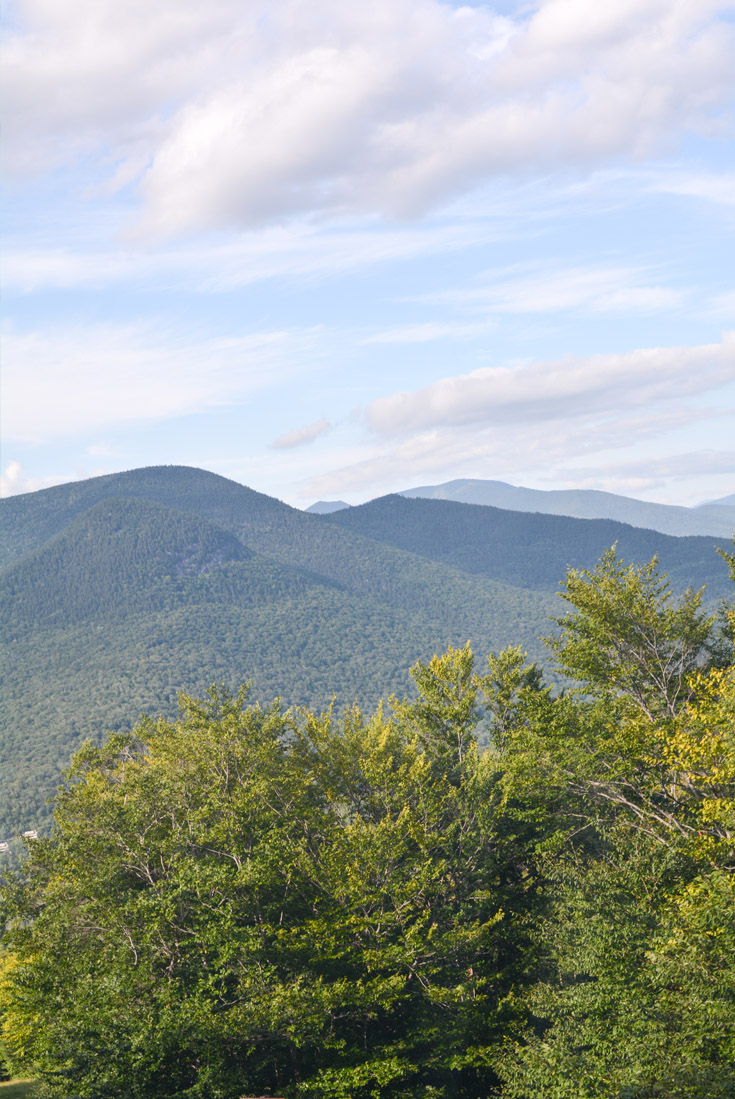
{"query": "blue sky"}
pixel 333 252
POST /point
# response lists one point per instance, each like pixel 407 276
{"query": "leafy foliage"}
pixel 638 996
pixel 247 900
pixel 629 636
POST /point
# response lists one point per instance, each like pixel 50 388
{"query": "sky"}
pixel 337 250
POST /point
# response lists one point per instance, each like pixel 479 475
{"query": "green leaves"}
pixel 247 900
pixel 635 996
pixel 630 637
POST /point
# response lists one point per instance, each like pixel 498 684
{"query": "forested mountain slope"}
pixel 31 519
pixel 268 526
pixel 120 555
pixel 529 549
pixel 132 601
pixel 587 504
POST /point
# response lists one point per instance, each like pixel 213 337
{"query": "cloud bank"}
pixel 564 389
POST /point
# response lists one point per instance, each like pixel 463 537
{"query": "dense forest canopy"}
pixel 249 900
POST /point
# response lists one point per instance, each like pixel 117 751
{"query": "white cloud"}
pixel 427 333
pixel 602 290
pixel 14 481
pixel 718 188
pixel 58 384
pixel 656 470
pixel 528 453
pixel 302 436
pixel 563 389
pixel 302 252
pixel 723 305
pixel 238 114
pixel 667 478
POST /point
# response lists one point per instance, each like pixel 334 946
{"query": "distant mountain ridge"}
pixel 589 504
pixel 723 502
pixel 326 507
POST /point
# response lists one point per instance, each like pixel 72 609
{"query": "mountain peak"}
pixel 326 507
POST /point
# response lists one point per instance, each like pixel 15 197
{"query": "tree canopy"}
pixel 491 889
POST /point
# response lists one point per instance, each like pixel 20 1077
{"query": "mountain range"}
pixel 120 591
pixel 716 518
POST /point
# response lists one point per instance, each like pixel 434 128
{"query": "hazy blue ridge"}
pixel 723 502
pixel 325 507
pixel 587 504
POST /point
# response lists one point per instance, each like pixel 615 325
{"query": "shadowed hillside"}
pixel 528 549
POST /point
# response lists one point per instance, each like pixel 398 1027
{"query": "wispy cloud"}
pixel 301 252
pixel 654 473
pixel 713 186
pixel 554 289
pixel 723 305
pixel 60 383
pixel 302 436
pixel 525 453
pixel 428 332
pixel 539 418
